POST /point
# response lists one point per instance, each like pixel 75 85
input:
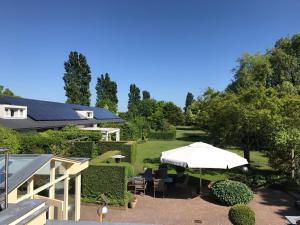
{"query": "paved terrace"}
pixel 270 207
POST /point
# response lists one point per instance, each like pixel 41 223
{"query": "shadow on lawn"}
pixel 194 137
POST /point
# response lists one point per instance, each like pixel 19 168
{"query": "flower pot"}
pixel 132 204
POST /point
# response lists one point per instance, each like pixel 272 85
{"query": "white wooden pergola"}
pixel 106 132
pixel 60 170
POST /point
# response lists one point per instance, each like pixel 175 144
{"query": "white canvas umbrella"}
pixel 201 155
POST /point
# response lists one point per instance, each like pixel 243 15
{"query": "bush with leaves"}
pixel 9 139
pixel 241 215
pixel 230 192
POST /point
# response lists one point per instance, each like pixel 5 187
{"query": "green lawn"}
pixel 148 154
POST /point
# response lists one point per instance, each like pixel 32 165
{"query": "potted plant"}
pixel 132 202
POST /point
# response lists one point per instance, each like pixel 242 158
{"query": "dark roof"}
pixel 46 114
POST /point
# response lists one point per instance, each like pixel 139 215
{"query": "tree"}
pixel 172 113
pixel 106 93
pixel 5 91
pixel 134 99
pixel 77 78
pixel 146 95
pixel 188 101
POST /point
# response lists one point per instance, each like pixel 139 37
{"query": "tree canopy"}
pixel 77 78
pixel 5 91
pixel 106 90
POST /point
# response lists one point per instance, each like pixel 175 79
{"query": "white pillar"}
pixel 52 189
pixel 66 198
pixel 30 187
pixel 77 196
pixel 106 136
pixel 118 135
pixel 95 125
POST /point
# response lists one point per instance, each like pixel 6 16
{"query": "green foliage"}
pixel 85 149
pixel 72 132
pixel 241 215
pixel 110 179
pixel 106 156
pixel 230 192
pixel 146 95
pixel 188 101
pixel 77 78
pixel 39 143
pixel 134 99
pixel 5 91
pixel 172 113
pixel 9 139
pixel 106 93
pixel 162 135
pixel 128 149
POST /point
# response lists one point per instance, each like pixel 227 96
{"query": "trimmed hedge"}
pixel 110 179
pixel 128 149
pixel 162 135
pixel 241 215
pixel 230 192
pixel 83 149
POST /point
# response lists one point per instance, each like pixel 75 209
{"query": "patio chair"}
pixel 148 175
pixel 159 186
pixel 183 184
pixel 140 184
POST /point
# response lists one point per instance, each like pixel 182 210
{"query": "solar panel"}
pixel 44 110
pixel 48 111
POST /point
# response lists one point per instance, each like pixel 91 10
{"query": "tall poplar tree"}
pixel 188 101
pixel 146 95
pixel 134 99
pixel 107 93
pixel 77 78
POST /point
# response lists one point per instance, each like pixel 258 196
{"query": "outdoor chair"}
pixel 148 175
pixel 140 184
pixel 159 186
pixel 183 184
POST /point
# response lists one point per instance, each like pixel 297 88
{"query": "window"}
pixel 88 114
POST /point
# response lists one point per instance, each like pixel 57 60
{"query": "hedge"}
pixel 83 149
pixel 164 135
pixel 108 179
pixel 128 149
pixel 241 215
pixel 230 192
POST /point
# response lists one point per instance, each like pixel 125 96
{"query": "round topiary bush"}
pixel 230 192
pixel 241 215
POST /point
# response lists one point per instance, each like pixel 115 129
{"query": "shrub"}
pixel 163 135
pixel 230 192
pixel 110 179
pixel 241 215
pixel 83 149
pixel 128 149
pixel 72 133
pixel 9 139
pixel 34 142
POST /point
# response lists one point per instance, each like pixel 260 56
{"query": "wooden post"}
pixel 30 186
pixel 77 196
pixel 66 197
pixel 52 189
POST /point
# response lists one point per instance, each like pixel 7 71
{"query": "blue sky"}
pixel 167 47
